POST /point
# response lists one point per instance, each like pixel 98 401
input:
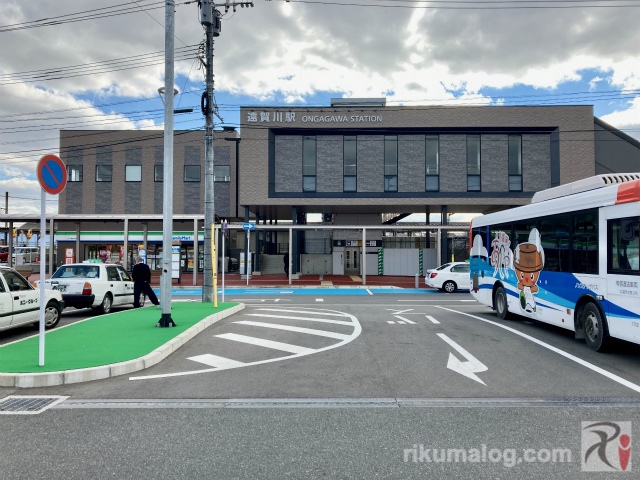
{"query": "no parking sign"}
pixel 52 174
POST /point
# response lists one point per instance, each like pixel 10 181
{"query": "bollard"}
pixel 417 280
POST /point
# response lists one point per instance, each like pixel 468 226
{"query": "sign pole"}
pixel 214 259
pixel 43 229
pixel 52 176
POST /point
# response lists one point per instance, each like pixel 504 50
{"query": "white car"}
pixel 449 277
pixel 20 302
pixel 96 285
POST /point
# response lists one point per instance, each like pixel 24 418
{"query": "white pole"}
pixel 246 260
pixel 289 254
pixel 43 230
pixel 224 263
pixel 363 259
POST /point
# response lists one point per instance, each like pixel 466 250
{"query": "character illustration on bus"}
pixel 528 262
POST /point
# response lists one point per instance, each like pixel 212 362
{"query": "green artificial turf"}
pixel 103 339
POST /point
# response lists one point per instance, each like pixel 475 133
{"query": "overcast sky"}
pixel 98 65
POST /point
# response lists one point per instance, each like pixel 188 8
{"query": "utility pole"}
pixel 210 18
pixel 167 201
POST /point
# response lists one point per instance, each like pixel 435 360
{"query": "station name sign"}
pixel 290 117
pixel 356 243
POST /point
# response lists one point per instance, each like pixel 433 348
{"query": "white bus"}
pixel 570 259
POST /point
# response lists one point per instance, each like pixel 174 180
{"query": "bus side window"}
pixel 623 244
pixel 585 242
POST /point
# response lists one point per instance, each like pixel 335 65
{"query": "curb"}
pixel 49 379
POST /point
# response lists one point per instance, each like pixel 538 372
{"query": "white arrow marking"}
pixel 398 312
pixel 406 320
pixel 468 368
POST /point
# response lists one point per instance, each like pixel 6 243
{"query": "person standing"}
pixel 141 274
pixel 286 263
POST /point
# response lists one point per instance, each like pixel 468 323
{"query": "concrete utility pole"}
pixel 167 201
pixel 210 18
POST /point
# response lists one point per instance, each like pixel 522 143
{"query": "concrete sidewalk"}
pixel 106 346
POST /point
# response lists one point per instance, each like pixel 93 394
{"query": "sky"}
pixel 86 65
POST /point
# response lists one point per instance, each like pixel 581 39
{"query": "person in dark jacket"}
pixel 286 263
pixel 141 275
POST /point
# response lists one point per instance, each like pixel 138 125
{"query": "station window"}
pixel 473 163
pixel 74 173
pixel 432 168
pixel 133 173
pixel 515 163
pixel 350 163
pixel 158 173
pixel 103 173
pixel 391 163
pixel 309 159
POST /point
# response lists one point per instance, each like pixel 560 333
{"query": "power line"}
pixel 504 6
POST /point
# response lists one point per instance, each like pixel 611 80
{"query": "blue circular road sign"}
pixel 52 174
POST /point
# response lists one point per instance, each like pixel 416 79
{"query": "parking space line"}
pixel 432 320
pixel 216 361
pixel 321 320
pixel 405 320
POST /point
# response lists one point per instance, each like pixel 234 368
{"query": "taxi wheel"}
pixel 51 316
pixel 107 302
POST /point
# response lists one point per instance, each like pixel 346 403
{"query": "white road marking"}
pixel 584 363
pixel 305 311
pixel 369 291
pixel 319 299
pixel 216 361
pixel 468 368
pixel 432 320
pixel 357 330
pixel 395 311
pixel 321 320
pixel 261 342
pixel 400 322
pixel 309 331
pixel 406 320
pixel 391 322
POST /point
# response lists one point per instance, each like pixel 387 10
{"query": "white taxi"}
pixel 20 302
pixel 96 285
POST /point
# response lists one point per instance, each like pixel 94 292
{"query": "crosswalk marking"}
pixel 433 320
pixel 285 347
pixel 216 361
pixel 321 320
pixel 310 331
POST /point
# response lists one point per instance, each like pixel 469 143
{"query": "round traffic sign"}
pixel 52 174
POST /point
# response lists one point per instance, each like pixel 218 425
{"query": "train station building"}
pixel 356 166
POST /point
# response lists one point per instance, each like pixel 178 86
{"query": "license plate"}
pixel 62 288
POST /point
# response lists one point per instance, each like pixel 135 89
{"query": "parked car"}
pixel 22 255
pixel 4 254
pixel 20 302
pixel 96 285
pixel 449 277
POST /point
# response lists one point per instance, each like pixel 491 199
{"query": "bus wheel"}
pixel 595 328
pixel 500 303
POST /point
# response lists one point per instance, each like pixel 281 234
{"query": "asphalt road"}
pixel 345 387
